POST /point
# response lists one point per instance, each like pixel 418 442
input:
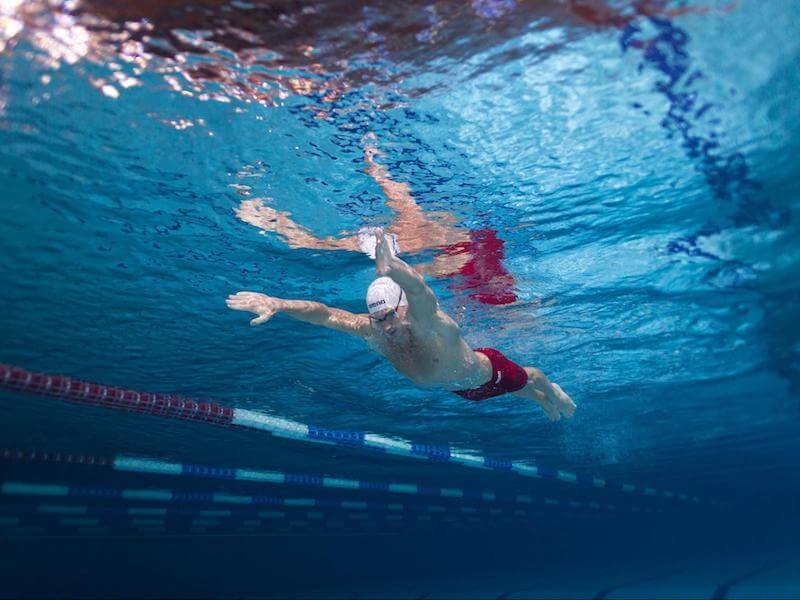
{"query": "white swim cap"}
pixel 384 293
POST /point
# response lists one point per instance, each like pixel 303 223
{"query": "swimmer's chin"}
pixel 394 337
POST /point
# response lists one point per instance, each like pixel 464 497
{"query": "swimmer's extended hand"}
pixel 384 253
pixel 261 304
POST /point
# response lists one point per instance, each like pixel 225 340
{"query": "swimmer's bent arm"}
pixel 421 299
pixel 303 310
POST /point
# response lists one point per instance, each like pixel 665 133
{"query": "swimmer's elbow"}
pixel 346 322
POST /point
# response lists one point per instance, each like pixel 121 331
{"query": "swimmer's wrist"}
pixel 283 305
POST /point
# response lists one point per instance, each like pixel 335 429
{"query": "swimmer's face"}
pixel 391 323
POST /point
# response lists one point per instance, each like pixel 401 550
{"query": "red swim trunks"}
pixel 483 275
pixel 507 376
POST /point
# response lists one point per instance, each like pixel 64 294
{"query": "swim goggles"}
pixel 392 312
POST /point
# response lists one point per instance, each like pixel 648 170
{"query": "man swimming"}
pixel 422 342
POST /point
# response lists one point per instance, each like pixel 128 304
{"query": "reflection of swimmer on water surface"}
pixel 472 258
pixel 406 325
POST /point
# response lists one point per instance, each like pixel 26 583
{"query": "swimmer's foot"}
pixel 548 406
pixel 563 403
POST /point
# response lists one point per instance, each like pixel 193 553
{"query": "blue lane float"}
pixel 166 495
pixel 12 516
pixel 278 507
pixel 159 467
pixel 15 379
pixel 29 525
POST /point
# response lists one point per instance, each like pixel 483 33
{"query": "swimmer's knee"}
pixel 534 374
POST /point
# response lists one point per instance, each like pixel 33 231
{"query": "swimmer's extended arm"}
pixel 302 310
pixel 421 299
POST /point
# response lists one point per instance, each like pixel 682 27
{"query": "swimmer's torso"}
pixel 435 356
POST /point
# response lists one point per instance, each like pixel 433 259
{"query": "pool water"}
pixel 608 190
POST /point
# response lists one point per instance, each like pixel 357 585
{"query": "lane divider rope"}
pixel 92 520
pixel 71 514
pixel 138 464
pixel 165 512
pixel 63 388
pixel 57 490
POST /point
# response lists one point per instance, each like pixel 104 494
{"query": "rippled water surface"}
pixel 630 167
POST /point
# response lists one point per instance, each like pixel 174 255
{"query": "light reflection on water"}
pixel 640 224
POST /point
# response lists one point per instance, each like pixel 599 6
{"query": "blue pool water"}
pixel 636 164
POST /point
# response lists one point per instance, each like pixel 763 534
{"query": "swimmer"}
pixel 423 343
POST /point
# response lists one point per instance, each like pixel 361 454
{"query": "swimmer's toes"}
pixel 551 412
pixel 567 406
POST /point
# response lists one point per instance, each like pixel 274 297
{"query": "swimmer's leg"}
pixel 548 395
pixel 257 213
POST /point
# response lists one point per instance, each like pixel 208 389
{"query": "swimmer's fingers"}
pixel 264 306
pixel 242 297
pixel 383 253
pixel 240 302
pixel 235 304
pixel 261 319
pixel 260 304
